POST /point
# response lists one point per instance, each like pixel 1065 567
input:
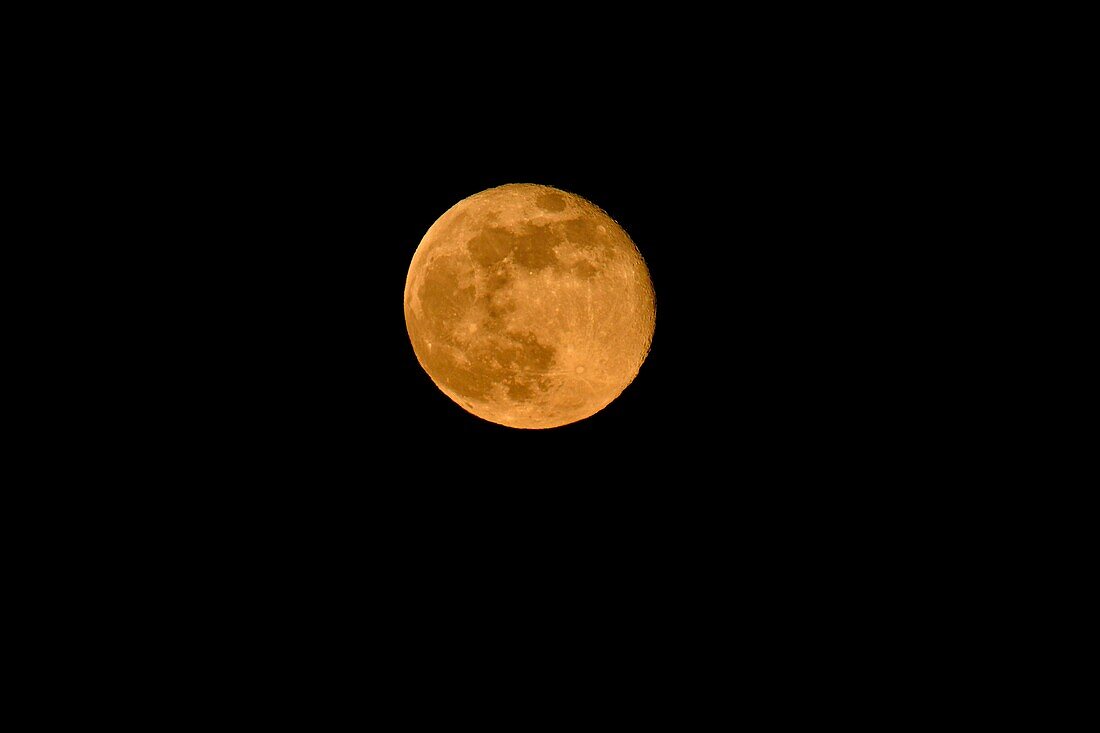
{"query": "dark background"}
pixel 349 282
pixel 285 463
pixel 276 191
pixel 290 178
pixel 313 446
pixel 311 463
pixel 306 199
pixel 741 414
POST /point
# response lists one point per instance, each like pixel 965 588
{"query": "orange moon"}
pixel 529 306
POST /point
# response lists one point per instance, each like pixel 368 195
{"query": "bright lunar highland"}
pixel 529 306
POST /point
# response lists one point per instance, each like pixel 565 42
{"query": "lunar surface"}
pixel 529 306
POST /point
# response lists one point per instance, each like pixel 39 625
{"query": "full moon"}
pixel 529 306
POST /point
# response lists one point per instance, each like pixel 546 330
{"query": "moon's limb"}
pixel 529 306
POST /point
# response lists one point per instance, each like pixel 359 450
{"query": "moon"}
pixel 529 306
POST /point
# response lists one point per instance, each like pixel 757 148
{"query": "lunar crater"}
pixel 551 202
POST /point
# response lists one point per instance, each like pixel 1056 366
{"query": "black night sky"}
pixel 754 225
pixel 294 486
pixel 738 370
